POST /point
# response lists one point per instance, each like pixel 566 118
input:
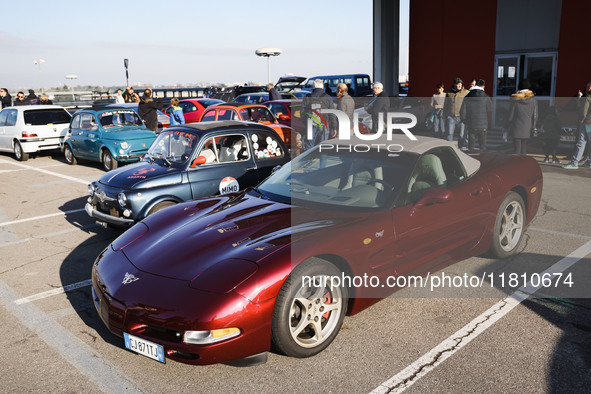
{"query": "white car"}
pixel 32 128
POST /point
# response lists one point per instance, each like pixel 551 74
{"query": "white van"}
pixel 31 128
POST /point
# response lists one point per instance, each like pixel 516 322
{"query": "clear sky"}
pixel 180 42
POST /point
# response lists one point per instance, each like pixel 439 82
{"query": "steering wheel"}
pixel 387 186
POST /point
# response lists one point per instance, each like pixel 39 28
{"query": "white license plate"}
pixel 143 347
pixel 567 138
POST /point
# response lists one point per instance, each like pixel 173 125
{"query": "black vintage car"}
pixel 187 162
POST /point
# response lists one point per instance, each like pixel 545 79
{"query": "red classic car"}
pixel 227 277
pixel 249 112
pixel 193 108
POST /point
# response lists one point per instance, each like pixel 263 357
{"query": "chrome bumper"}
pixel 103 217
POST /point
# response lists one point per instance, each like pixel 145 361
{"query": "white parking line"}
pixel 40 217
pixel 82 357
pixel 53 292
pixel 70 178
pixel 411 374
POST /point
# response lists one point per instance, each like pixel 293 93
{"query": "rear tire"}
pixel 69 155
pixel 109 163
pixel 509 226
pixel 19 153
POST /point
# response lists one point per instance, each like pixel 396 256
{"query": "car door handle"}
pixel 477 191
pixel 251 168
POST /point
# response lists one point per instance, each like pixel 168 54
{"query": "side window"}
pixel 265 146
pixel 226 114
pixel 210 151
pixel 436 168
pixel 261 114
pixel 208 116
pixel 86 121
pixel 3 117
pixel 233 148
pixel 75 122
pixel 11 117
pixel 278 109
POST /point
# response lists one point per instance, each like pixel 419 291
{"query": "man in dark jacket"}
pixel 345 102
pixel 378 107
pixel 322 124
pixel 33 99
pixel 273 93
pixel 451 111
pixel 21 100
pixel 584 130
pixel 148 110
pixel 522 119
pixel 474 114
pixel 5 98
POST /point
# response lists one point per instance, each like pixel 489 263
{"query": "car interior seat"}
pixel 360 173
pixel 209 156
pixel 428 173
pixel 231 149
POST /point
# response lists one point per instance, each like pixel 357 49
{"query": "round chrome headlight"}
pixel 124 145
pixel 91 190
pixel 122 199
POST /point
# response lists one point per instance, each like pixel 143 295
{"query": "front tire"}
pixel 19 153
pixel 160 206
pixel 109 163
pixel 308 316
pixel 69 155
pixel 509 226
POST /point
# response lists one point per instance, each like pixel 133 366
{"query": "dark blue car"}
pixel 186 162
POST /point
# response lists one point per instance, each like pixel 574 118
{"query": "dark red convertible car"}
pixel 228 277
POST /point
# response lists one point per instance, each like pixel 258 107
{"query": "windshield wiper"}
pixel 257 191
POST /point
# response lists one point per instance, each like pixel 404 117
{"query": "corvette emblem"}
pixel 128 278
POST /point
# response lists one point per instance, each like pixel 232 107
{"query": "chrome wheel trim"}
pixel 107 161
pixel 68 153
pixel 511 226
pixel 315 312
pixel 18 151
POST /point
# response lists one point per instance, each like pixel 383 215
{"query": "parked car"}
pixel 231 270
pixel 109 135
pixel 359 84
pixel 257 98
pixel 187 162
pixel 32 128
pixel 193 108
pixel 162 118
pixel 250 112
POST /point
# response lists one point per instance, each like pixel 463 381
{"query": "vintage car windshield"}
pixel 174 147
pixel 369 180
pixel 119 118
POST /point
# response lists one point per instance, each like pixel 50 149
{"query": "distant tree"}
pixel 65 87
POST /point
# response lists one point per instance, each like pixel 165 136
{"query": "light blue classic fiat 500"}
pixel 107 135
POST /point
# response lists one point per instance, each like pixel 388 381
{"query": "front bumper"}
pixel 104 217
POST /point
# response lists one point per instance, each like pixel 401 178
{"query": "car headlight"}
pixel 122 199
pixel 208 337
pixel 91 190
pixel 124 145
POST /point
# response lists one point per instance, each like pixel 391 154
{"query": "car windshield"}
pixel 39 117
pixel 119 118
pixel 207 103
pixel 341 179
pixel 172 146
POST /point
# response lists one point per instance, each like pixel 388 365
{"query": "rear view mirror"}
pixel 198 161
pixel 284 117
pixel 434 195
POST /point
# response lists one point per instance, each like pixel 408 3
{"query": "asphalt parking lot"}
pixel 459 341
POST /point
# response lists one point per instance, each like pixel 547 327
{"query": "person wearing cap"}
pixel 33 99
pixel 451 111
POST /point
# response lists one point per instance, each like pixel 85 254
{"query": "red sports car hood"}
pixel 183 241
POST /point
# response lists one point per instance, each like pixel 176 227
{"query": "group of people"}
pixel 21 99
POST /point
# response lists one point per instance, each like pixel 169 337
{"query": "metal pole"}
pixel 268 69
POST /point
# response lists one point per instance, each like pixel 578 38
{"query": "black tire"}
pixel 69 155
pixel 19 153
pixel 509 226
pixel 160 206
pixel 301 310
pixel 109 163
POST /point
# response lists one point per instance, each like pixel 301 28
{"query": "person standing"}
pixel 273 93
pixel 148 110
pixel 5 98
pixel 322 124
pixel 474 114
pixel 451 112
pixel 176 112
pixel 119 97
pixel 437 102
pixel 21 100
pixel 33 99
pixel 378 107
pixel 45 100
pixel 522 118
pixel 345 103
pixel 584 129
pixel 128 95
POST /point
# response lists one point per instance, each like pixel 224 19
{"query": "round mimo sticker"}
pixel 229 185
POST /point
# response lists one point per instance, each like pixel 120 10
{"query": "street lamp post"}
pixel 268 52
pixel 71 78
pixel 38 63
